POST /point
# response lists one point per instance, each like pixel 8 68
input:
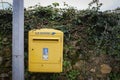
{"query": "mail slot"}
pixel 46 39
pixel 45 50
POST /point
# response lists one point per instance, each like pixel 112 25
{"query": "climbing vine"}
pixel 89 36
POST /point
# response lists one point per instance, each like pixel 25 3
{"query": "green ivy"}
pixel 84 31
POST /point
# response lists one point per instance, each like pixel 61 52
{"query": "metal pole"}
pixel 18 40
pixel 2 4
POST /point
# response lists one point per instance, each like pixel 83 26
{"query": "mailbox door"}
pixel 45 50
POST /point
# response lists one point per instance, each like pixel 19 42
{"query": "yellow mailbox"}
pixel 45 50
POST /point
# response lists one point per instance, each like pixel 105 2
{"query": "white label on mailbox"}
pixel 45 53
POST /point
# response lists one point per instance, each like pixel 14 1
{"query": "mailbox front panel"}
pixel 45 53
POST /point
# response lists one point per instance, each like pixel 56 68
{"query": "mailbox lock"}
pixel 42 65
